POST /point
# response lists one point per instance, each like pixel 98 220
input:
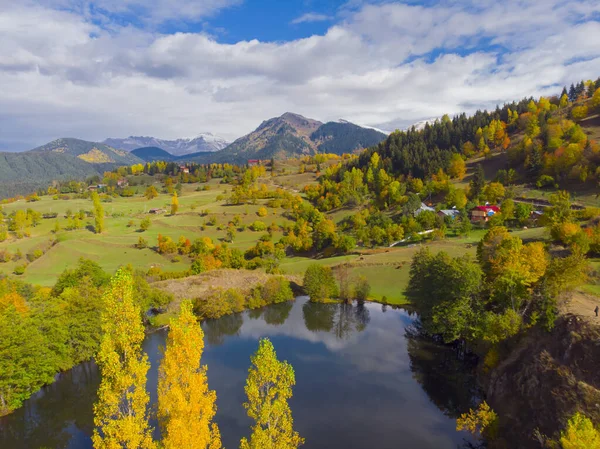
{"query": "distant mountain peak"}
pixel 292 134
pixel 203 142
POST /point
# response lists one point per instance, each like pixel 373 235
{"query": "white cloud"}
pixel 311 17
pixel 384 65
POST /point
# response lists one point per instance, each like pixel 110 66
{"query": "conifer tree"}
pixel 98 213
pixel 269 386
pixel 174 204
pixel 121 412
pixel 186 406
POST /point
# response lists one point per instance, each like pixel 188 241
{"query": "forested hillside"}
pixel 23 173
pixel 92 152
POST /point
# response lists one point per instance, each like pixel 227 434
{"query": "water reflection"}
pixel 361 381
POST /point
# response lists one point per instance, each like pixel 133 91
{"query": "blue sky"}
pixel 175 68
pixel 267 20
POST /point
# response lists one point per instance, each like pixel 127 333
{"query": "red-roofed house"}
pixel 483 213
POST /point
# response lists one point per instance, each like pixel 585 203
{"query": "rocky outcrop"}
pixel 546 379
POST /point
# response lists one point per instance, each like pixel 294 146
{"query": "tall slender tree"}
pixel 186 406
pixel 268 387
pixel 174 204
pixel 98 213
pixel 121 412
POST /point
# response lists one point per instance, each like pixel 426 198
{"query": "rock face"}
pixel 545 380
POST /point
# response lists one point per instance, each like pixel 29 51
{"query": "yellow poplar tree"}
pixel 121 412
pixel 268 387
pixel 186 406
pixel 174 204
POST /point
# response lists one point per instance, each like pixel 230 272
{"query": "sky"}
pixel 95 69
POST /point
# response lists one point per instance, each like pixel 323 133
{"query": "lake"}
pixel 365 378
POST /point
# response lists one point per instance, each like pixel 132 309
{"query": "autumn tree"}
pixel 457 168
pixel 121 412
pixel 186 407
pixel 174 204
pixel 98 213
pixel 151 192
pixel 268 388
pixel 580 434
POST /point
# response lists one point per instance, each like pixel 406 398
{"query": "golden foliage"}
pixel 95 156
pixel 269 386
pixel 186 406
pixel 120 414
pixel 480 422
pixel 580 434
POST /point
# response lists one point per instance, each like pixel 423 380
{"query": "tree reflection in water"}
pixel 276 314
pixel 41 422
pixel 341 319
pixel 215 331
pixel 442 373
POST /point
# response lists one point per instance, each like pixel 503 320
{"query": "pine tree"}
pixel 98 213
pixel 174 204
pixel 186 406
pixel 572 93
pixel 121 412
pixel 478 181
pixel 269 386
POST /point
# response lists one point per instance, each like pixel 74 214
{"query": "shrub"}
pixel 20 270
pixel 262 212
pixel 145 224
pixel 141 243
pixel 320 283
pixel 36 254
pixel 219 302
pixel 277 289
pixel 362 288
pixel 258 226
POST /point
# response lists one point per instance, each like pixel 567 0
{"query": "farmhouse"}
pixel 184 169
pixel 423 208
pixel 156 211
pixel 122 183
pixel 483 213
pixel 253 162
pixel 452 213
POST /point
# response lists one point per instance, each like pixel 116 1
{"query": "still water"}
pixel 364 379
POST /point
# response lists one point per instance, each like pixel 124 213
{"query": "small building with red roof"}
pixel 481 214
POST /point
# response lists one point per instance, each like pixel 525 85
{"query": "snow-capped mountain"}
pixel 203 142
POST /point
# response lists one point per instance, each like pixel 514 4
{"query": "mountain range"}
pixel 279 137
pixel 203 142
pixel 292 135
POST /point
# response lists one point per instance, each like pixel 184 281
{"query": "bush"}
pixel 320 283
pixel 362 288
pixel 277 289
pixel 20 270
pixel 220 302
pixel 258 226
pixel 262 212
pixel 36 254
pixel 141 243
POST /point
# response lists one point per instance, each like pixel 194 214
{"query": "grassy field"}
pixel 387 269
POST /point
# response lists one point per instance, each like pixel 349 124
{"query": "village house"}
pixel 452 213
pixel 253 162
pixel 423 208
pixel 184 169
pixel 121 183
pixel 482 214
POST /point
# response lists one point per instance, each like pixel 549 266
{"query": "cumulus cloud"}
pixel 311 17
pixel 386 65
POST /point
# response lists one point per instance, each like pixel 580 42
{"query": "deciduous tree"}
pixel 186 406
pixel 121 412
pixel 268 388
